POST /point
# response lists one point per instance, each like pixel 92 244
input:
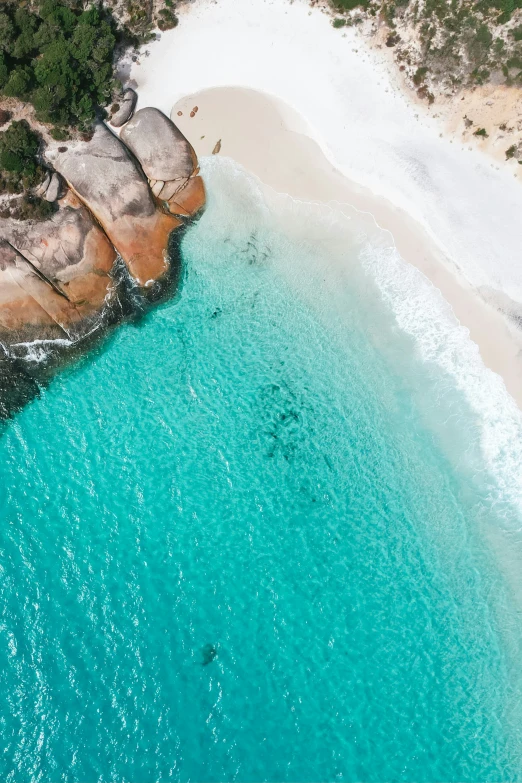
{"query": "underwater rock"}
pixel 209 653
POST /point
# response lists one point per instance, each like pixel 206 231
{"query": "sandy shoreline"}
pixel 242 120
pixel 451 213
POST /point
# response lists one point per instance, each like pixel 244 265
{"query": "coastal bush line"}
pixel 446 45
pixel 59 58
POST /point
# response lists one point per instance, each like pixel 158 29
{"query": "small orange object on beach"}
pixel 192 113
pixel 195 109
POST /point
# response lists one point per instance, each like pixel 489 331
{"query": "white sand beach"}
pixel 317 113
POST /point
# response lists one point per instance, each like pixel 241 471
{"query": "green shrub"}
pixel 167 19
pixel 514 62
pixel 60 58
pixel 28 207
pixel 349 5
pixel 481 132
pixel 4 71
pixel 59 134
pixel 19 166
pixel 19 83
pixel 339 22
pixel 420 75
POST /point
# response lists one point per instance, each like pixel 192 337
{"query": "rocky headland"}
pixel 119 204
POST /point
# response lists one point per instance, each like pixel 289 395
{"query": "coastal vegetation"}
pixel 21 172
pixel 59 58
pixel 445 46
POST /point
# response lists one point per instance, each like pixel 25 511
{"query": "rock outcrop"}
pixel 125 109
pixel 54 276
pixel 60 279
pixel 161 148
pixel 107 180
pixel 53 190
pixel 168 160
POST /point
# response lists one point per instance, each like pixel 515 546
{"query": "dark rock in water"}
pixel 209 652
pixel 17 387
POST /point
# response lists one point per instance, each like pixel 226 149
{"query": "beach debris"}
pixel 180 114
pixel 217 148
pixel 195 109
pixel 209 652
pixel 192 113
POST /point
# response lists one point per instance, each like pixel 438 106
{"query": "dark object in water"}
pixel 208 652
pixel 17 386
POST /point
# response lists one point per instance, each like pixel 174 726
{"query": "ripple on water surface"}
pixel 238 543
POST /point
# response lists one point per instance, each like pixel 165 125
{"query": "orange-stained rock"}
pixel 54 276
pixel 190 199
pixel 144 246
pixel 104 176
pixel 21 316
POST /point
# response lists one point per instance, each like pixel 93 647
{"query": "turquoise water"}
pixel 253 537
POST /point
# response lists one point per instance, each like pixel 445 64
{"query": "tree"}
pixel 19 83
pixel 6 32
pixel 4 71
pixel 60 58
pixel 18 149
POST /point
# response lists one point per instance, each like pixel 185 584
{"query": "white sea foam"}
pixel 422 312
pixel 355 245
pixel 37 351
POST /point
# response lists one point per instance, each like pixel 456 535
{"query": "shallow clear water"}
pixel 260 535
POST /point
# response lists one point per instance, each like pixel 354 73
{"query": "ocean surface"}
pixel 270 532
